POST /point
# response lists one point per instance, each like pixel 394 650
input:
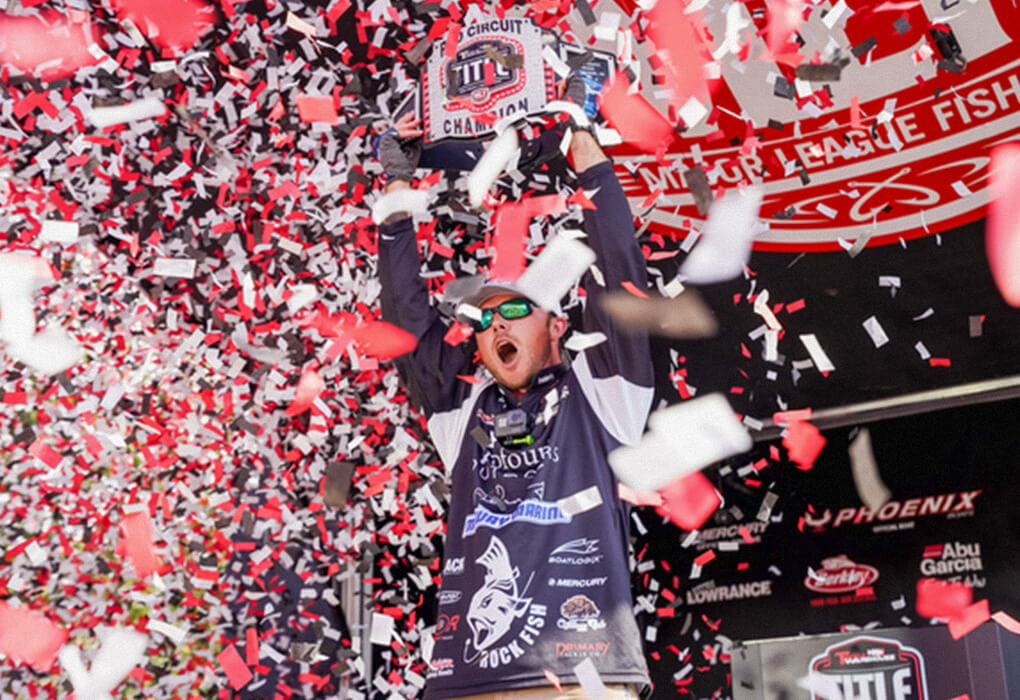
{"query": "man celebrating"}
pixel 536 576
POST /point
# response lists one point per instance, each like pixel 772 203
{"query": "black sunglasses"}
pixel 509 309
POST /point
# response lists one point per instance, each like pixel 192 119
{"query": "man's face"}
pixel 515 350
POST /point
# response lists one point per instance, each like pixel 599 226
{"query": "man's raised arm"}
pixel 616 375
pixel 430 371
pixel 610 229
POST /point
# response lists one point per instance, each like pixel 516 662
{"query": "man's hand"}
pixel 398 156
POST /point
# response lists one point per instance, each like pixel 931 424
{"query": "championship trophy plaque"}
pixel 500 69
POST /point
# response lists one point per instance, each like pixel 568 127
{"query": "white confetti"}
pixel 875 330
pixel 59 231
pixel 552 274
pixel 406 200
pixel 121 650
pixel 490 166
pixel 682 439
pixel 581 501
pixel 818 356
pixel 145 108
pixel 174 267
pixel 725 244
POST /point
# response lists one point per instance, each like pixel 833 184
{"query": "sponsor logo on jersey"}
pixel 449 597
pixel 454 566
pixel 872 667
pixel 580 552
pixel 579 613
pixel 738 591
pixel 581 649
pixel 840 574
pixel 594 582
pixel 958 504
pixel 441 667
pixel 529 511
pixel 503 621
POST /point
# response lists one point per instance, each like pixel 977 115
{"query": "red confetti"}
pixel 1002 232
pixel 60 48
pixel 383 340
pixel 317 109
pixel 170 23
pixel 30 637
pixel 784 18
pixel 510 237
pixel 638 122
pixel 966 620
pixel 803 443
pixel 630 287
pixel 233 665
pixel 555 680
pixel 308 389
pixel 673 31
pixel 689 501
pixel 705 557
pixel 138 543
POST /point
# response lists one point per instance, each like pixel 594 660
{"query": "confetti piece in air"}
pixel 145 108
pixel 59 231
pixel 784 18
pixel 818 356
pixel 582 341
pixel 575 111
pixel 803 443
pixel 1002 232
pixel 682 439
pixel 638 122
pixel 382 340
pixel 238 673
pixel 313 108
pixel 121 650
pixel 590 680
pixel 177 24
pixel 942 599
pixel 870 487
pixel 967 620
pixel 725 244
pixel 511 231
pixel 308 389
pixel 689 501
pixel 580 502
pixel 175 267
pixel 554 680
pixel 29 637
pixel 1006 621
pixel 404 200
pixel 49 351
pixel 55 51
pixel 555 271
pixel 671 29
pixel 138 543
pixel 498 154
pixel 683 316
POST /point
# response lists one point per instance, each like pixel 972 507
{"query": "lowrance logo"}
pixel 872 667
pixel 840 575
pixel 961 502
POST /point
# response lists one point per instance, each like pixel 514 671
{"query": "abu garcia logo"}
pixel 871 667
pixel 953 560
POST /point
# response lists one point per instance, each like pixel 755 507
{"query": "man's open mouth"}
pixel 506 350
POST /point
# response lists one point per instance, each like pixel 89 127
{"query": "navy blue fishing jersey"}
pixel 536 568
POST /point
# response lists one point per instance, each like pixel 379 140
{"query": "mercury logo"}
pixel 873 667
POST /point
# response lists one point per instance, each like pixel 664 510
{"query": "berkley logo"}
pixel 840 574
pixel 896 148
pixel 873 667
